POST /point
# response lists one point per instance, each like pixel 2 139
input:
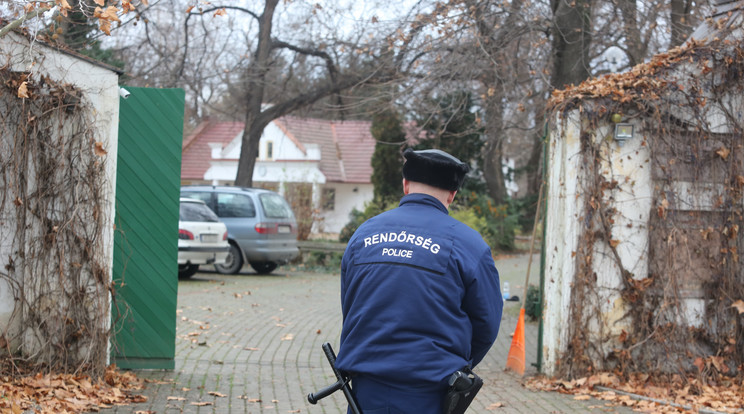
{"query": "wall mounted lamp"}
pixel 623 132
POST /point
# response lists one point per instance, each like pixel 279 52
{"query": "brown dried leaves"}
pixel 57 393
pixel 643 392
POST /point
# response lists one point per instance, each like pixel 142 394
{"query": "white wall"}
pixel 7 301
pixel 630 167
pixel 284 147
pixel 101 93
pixel 288 171
pixel 348 197
pixel 561 236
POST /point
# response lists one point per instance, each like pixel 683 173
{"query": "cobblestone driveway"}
pixel 252 344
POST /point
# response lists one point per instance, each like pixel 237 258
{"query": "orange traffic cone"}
pixel 515 361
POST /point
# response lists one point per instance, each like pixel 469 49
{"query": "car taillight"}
pixel 185 234
pixel 224 236
pixel 265 228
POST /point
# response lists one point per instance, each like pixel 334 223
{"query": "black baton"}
pixel 342 383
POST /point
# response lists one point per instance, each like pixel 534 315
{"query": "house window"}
pixel 328 199
pixel 270 150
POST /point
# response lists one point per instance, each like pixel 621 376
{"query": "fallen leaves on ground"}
pixel 66 393
pixel 646 393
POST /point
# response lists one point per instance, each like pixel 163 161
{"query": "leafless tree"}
pixel 283 57
pixel 271 60
pixel 485 48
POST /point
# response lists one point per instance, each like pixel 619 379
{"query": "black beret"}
pixel 435 168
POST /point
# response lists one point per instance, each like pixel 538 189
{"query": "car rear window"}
pixel 203 196
pixel 196 212
pixel 274 206
pixel 235 205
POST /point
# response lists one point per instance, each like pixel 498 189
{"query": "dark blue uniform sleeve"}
pixel 345 259
pixel 484 304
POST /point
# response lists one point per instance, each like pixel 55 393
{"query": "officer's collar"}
pixel 425 199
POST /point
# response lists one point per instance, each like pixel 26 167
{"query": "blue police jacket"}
pixel 420 296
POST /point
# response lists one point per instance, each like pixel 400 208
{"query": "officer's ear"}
pixel 451 197
pixel 406 187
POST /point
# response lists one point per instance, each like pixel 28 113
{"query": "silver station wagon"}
pixel 261 227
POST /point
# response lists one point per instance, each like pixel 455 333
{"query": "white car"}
pixel 202 238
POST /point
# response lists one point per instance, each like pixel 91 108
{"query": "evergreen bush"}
pixel 532 302
pixel 356 218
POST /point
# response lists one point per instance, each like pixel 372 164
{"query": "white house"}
pixel 330 158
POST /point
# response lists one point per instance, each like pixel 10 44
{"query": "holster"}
pixel 463 385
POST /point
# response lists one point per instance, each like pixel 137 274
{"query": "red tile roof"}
pixel 196 154
pixel 346 147
pixel 356 146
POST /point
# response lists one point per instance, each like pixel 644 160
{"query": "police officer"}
pixel 419 293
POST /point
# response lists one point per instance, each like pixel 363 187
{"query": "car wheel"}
pixel 234 262
pixel 186 271
pixel 263 268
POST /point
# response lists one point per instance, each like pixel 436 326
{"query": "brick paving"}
pixel 252 344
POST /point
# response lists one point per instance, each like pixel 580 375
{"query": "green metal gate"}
pixel 145 243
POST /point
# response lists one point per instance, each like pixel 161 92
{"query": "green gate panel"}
pixel 146 239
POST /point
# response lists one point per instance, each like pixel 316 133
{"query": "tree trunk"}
pixel 681 21
pixel 254 122
pixel 493 171
pixel 571 40
pixel 495 39
pixel 258 117
pixel 535 164
pixel 249 151
pixel 635 48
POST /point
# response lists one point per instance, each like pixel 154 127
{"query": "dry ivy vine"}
pixel 51 221
pixel 689 106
